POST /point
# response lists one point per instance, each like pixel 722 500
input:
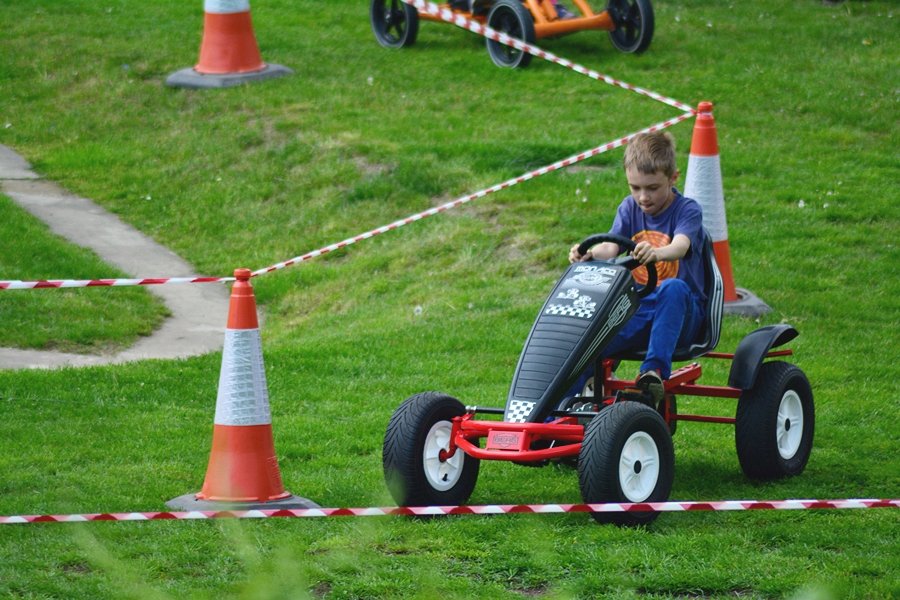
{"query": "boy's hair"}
pixel 650 153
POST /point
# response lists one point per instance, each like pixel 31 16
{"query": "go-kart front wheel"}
pixel 413 469
pixel 634 24
pixel 775 422
pixel 394 23
pixel 626 456
pixel 512 18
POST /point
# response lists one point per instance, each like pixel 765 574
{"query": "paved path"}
pixel 199 311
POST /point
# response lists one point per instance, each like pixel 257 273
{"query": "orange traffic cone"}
pixel 704 184
pixel 229 54
pixel 243 469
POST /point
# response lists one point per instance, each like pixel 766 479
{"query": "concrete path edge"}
pixel 198 311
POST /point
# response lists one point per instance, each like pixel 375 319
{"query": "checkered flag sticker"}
pixel 568 310
pixel 518 411
pixel 582 305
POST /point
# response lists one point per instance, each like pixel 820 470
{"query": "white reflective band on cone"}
pixel 224 7
pixel 243 398
pixel 704 184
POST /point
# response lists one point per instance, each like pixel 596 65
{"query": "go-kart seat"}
pixel 711 328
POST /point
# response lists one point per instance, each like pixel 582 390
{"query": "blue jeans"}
pixel 666 319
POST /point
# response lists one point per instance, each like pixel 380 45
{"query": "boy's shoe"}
pixel 564 13
pixel 652 383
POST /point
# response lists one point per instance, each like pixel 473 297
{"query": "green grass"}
pixel 806 104
pixel 75 320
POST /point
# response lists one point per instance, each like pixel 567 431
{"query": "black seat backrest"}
pixel 711 328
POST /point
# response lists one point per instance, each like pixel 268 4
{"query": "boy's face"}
pixel 652 192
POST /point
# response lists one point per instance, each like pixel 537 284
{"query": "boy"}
pixel 666 227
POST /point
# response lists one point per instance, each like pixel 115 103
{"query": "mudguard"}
pixel 586 309
pixel 752 350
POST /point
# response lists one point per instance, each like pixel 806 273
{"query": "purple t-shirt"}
pixel 682 216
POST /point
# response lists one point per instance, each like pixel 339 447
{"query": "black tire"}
pixel 634 24
pixel 394 23
pixel 627 440
pixel 775 423
pixel 513 19
pixel 422 425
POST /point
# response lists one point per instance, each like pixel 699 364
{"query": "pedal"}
pixel 635 395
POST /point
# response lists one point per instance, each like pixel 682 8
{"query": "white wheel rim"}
pixel 588 390
pixel 638 467
pixel 789 432
pixel 441 475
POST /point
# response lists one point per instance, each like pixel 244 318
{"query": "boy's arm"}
pixel 604 251
pixel 646 253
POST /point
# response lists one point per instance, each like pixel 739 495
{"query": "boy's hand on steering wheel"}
pixel 645 253
pixel 575 256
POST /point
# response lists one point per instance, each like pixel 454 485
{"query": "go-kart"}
pixel 619 437
pixel 629 23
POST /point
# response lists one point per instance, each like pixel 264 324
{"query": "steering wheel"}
pixel 626 261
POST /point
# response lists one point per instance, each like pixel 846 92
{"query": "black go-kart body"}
pixel 620 438
pixel 586 309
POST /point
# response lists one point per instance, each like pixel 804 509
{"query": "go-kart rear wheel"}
pixel 513 19
pixel 775 423
pixel 626 456
pixel 634 24
pixel 394 23
pixel 415 474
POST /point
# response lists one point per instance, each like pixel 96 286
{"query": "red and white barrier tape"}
pixel 459 20
pixel 16 284
pixel 447 15
pixel 489 509
pixel 571 160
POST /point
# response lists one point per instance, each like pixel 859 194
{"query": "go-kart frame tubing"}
pixel 466 432
pixel 546 23
pixel 683 381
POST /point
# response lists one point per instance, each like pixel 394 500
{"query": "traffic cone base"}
pixel 191 79
pixel 740 301
pixel 243 468
pixel 190 502
pixel 747 304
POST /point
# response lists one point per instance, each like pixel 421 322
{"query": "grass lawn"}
pixel 28 250
pixel 806 97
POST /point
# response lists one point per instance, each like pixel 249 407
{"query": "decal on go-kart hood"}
pixel 572 301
